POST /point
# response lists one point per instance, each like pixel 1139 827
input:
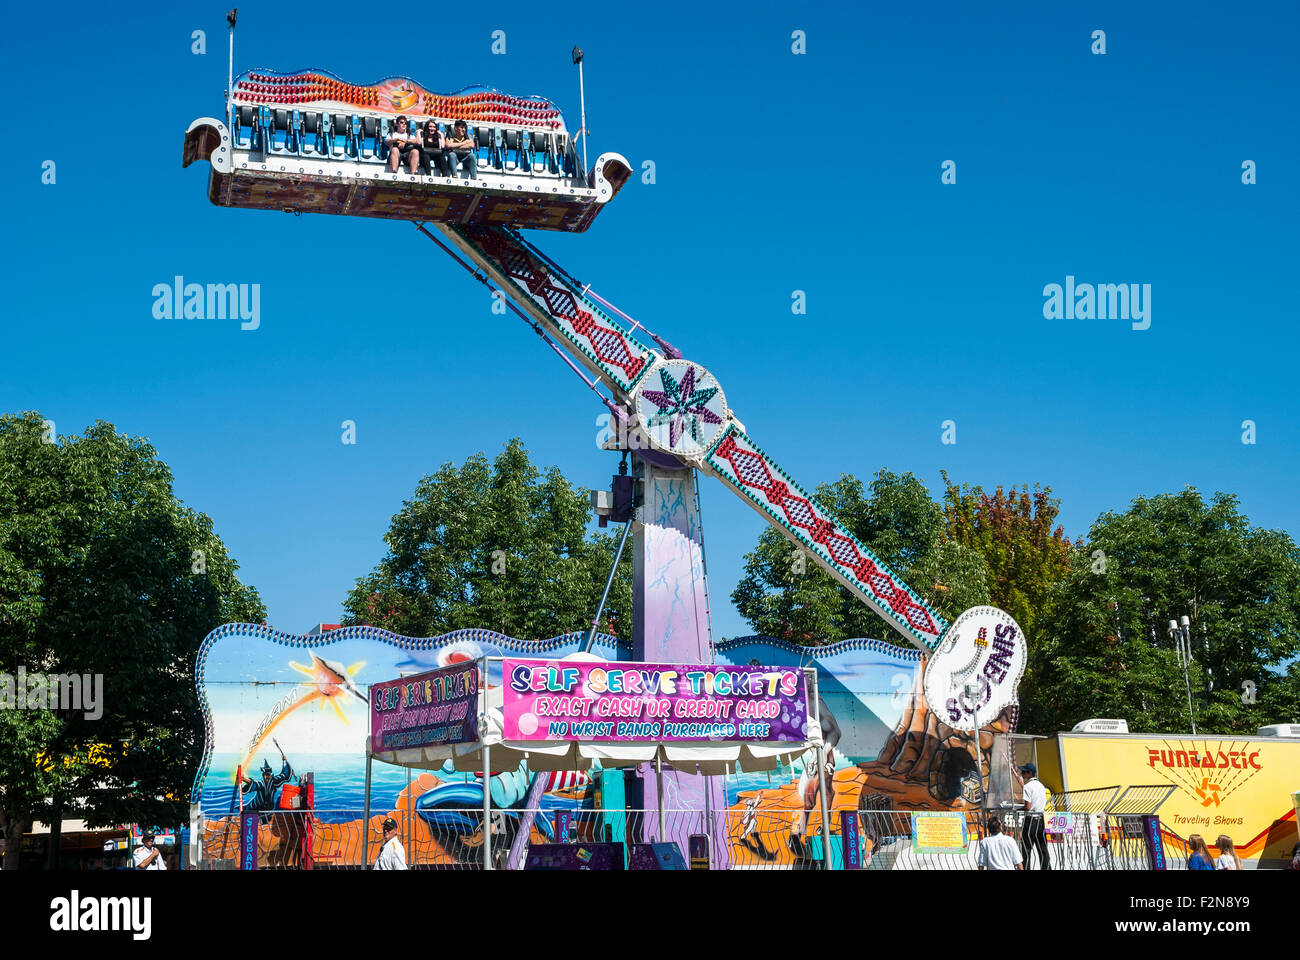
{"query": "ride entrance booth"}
pixel 662 736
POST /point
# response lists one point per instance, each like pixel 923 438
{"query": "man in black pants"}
pixel 1032 835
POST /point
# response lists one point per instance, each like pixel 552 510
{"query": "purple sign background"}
pixel 248 841
pixel 652 702
pixel 427 709
pixel 849 838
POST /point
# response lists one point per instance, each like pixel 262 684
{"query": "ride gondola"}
pixel 308 142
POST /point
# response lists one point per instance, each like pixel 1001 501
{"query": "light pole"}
pixel 582 106
pixel 1180 633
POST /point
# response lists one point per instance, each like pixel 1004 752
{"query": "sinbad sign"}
pixel 1239 787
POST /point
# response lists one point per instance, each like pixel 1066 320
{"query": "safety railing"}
pixel 737 838
pixel 445 838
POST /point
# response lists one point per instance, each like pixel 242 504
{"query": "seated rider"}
pixel 402 145
pixel 460 150
pixel 432 156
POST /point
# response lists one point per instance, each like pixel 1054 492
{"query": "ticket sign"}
pixel 425 710
pixel 1062 823
pixel 652 702
pixel 939 833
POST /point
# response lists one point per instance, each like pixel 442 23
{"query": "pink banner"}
pixel 425 710
pixel 652 702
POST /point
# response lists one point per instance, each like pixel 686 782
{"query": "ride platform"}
pixel 309 143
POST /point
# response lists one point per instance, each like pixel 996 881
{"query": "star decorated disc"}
pixel 681 407
pixel 976 667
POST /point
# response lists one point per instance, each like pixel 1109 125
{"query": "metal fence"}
pixel 444 838
pixel 1083 830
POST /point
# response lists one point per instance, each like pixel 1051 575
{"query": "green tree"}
pixel 1105 649
pixel 497 545
pixel 784 594
pixel 1013 532
pixel 98 576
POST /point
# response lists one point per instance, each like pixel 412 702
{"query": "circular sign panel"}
pixel 973 674
pixel 680 407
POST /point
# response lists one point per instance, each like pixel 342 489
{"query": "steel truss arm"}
pixel 683 413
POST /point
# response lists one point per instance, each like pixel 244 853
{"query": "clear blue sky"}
pixel 775 172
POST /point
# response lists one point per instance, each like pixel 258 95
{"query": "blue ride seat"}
pixel 370 130
pixel 517 141
pixel 569 150
pixel 561 154
pixel 488 140
pixel 265 133
pixel 312 138
pixel 281 140
pixel 245 132
pixel 526 150
pixel 342 136
pixel 544 158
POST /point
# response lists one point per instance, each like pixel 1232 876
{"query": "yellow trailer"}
pixel 1238 786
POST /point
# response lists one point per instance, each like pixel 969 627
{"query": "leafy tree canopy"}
pixel 1013 532
pixel 1106 651
pixel 98 576
pixel 497 545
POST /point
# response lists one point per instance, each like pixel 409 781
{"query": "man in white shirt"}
pixel 147 856
pixel 998 851
pixel 393 854
pixel 403 144
pixel 1033 835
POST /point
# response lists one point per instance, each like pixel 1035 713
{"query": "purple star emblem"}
pixel 681 406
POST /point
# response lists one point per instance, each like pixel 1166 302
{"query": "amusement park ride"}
pixel 309 142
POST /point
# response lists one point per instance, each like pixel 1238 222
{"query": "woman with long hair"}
pixel 1200 858
pixel 432 158
pixel 1228 859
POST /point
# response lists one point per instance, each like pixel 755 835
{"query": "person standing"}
pixel 998 851
pixel 1200 858
pixel 392 856
pixel 1033 836
pixel 147 856
pixel 1228 859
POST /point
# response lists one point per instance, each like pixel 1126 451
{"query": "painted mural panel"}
pixel 890 754
pixel 279 706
